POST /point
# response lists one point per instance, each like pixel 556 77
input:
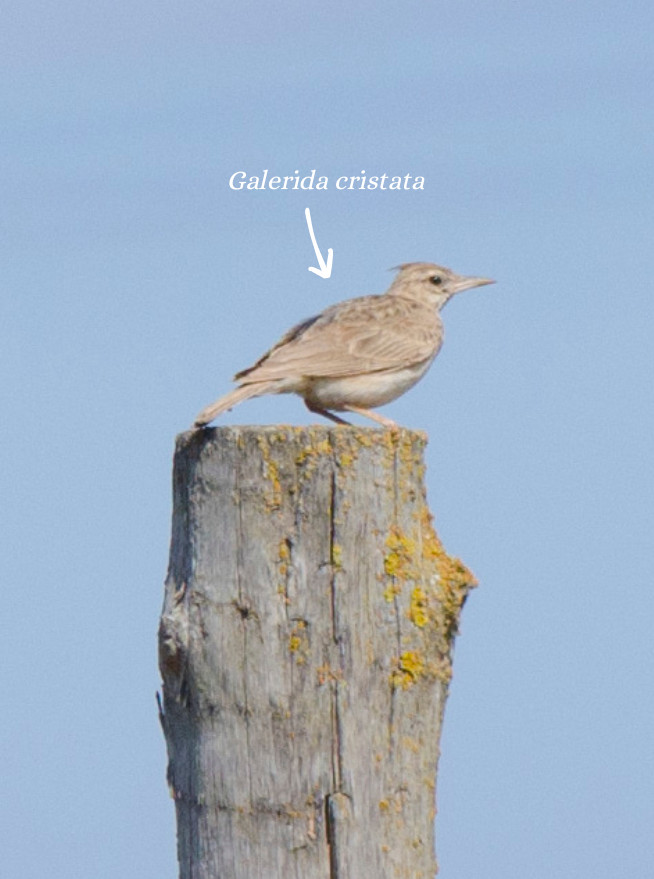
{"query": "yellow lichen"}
pixel 398 561
pixel 441 581
pixel 364 439
pixel 312 450
pixel 442 670
pixel 391 591
pixel 418 611
pixel 272 498
pixel 325 673
pixel 454 578
pixel 298 643
pixel 408 668
pixel 337 556
pixel 283 563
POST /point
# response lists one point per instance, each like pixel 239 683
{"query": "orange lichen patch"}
pixel 449 566
pixel 364 438
pixel 391 591
pixel 404 463
pixel 399 560
pixel 418 610
pixel 325 673
pixel 298 642
pixel 441 670
pixel 313 449
pixel 273 497
pixel 348 446
pixel 284 555
pixel 283 566
pixel 454 578
pixel 384 805
pixel 409 667
pixel 411 744
pixel 440 581
pixel 337 556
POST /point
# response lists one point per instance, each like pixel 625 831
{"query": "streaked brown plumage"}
pixel 358 354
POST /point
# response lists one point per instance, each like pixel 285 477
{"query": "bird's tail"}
pixel 223 404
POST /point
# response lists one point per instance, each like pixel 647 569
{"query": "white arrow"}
pixel 325 269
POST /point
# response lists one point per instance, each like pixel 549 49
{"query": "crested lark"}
pixel 357 354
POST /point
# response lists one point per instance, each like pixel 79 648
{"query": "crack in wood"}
pixel 332 544
pixel 281 810
pixel 337 754
pixel 396 606
pixel 338 812
pixel 243 601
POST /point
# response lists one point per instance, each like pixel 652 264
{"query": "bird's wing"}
pixel 370 334
pixel 292 334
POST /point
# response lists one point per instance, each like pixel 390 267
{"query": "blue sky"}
pixel 135 283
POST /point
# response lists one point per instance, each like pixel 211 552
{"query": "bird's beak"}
pixel 463 283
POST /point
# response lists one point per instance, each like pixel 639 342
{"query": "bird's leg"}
pixel 375 416
pixel 326 414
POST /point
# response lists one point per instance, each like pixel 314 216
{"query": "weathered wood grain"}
pixel 305 648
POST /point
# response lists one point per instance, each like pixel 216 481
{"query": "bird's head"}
pixel 430 283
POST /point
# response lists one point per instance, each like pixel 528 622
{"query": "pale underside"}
pixel 367 390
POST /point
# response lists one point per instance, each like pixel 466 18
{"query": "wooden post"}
pixel 305 647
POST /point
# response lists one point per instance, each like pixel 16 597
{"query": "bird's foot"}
pixel 388 423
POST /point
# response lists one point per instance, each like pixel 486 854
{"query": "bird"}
pixel 358 354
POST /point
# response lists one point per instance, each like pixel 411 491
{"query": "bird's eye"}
pixel 437 280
